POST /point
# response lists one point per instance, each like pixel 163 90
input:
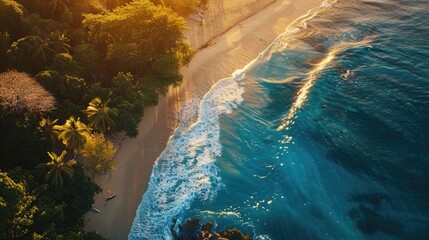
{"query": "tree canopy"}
pixel 59 169
pixel 142 38
pixel 100 115
pixel 11 16
pixel 16 209
pixel 30 54
pixel 73 133
pixel 97 155
pixel 71 71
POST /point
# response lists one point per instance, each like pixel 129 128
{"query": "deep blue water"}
pixel 324 136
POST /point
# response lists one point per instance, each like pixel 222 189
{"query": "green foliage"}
pixel 130 102
pixel 58 7
pixel 78 8
pixel 97 90
pixel 64 64
pixel 138 36
pixel 165 73
pixel 183 7
pixel 47 125
pixel 16 209
pixel 100 115
pixel 79 197
pixel 75 89
pixel 125 57
pixel 73 133
pixel 66 17
pixel 59 212
pixel 78 63
pixel 97 155
pixel 41 7
pixel 86 56
pixel 123 86
pixel 47 128
pixel 107 5
pixel 126 88
pixel 59 169
pixel 21 144
pixel 128 118
pixel 4 46
pixel 52 81
pixel 59 42
pixel 30 54
pixel 30 5
pixel 67 108
pixel 63 87
pixel 63 80
pixel 35 25
pixel 11 14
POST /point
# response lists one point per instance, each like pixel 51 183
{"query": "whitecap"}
pixel 186 170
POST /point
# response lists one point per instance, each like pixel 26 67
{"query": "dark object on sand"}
pixel 111 197
pixel 95 210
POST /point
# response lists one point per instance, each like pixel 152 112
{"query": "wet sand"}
pixel 233 33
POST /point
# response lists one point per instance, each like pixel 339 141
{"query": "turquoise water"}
pixel 324 136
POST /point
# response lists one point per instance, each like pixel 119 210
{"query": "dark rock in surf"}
pixel 235 234
pixel 192 230
pixel 207 226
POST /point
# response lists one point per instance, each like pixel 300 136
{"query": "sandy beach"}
pixel 232 34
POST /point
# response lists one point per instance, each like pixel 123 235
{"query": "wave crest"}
pixel 186 170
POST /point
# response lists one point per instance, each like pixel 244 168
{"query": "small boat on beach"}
pixel 95 210
pixel 111 197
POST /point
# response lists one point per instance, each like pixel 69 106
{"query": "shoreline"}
pixel 241 40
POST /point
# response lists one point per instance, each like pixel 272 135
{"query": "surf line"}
pixel 311 78
pixel 295 27
pixel 159 205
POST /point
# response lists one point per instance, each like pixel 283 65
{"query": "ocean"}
pixel 324 136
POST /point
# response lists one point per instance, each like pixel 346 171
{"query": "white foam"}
pixel 186 169
pixel 299 24
pixel 188 113
pixel 262 237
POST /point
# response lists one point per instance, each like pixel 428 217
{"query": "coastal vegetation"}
pixel 71 74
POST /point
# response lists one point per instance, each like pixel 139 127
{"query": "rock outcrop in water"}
pixel 193 230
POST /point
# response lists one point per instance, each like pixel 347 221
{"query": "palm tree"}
pixel 73 133
pixel 47 126
pixel 58 169
pixel 58 6
pixel 59 42
pixel 41 49
pixel 100 115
